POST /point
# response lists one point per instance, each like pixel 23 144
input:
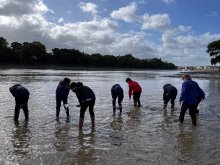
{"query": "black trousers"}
pixel 192 112
pixel 120 99
pixel 21 101
pixel 136 98
pixel 168 98
pixel 85 105
pixel 58 102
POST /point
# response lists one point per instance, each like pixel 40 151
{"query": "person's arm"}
pixel 129 91
pixel 112 91
pixel 183 93
pixel 164 94
pixel 201 92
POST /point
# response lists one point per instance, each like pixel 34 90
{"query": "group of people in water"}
pixel 191 95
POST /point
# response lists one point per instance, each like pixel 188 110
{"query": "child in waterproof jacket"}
pixel 86 98
pixel 135 89
pixel 62 93
pixel 169 93
pixel 21 95
pixel 117 92
pixel 189 98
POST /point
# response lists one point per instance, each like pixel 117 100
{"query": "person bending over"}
pixel 21 95
pixel 117 92
pixel 86 98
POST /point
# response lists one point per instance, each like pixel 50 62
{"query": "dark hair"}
pixel 79 84
pixel 67 80
pixel 73 85
pixel 128 79
pixel 166 85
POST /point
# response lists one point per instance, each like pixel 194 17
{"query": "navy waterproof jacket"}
pixel 84 94
pixel 190 92
pixel 62 90
pixel 19 91
pixel 169 90
pixel 116 90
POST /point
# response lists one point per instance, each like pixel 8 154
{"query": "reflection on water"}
pixel 61 136
pixel 20 138
pixel 145 135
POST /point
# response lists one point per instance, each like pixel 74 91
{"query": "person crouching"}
pixel 86 98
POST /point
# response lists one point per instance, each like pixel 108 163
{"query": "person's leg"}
pixel 192 112
pixel 113 103
pixel 25 107
pixel 91 112
pixel 83 107
pixel 135 98
pixel 58 105
pixel 120 98
pixel 65 104
pixel 138 99
pixel 183 110
pixel 173 101
pixel 17 109
pixel 166 100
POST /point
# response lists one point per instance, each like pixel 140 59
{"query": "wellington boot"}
pixel 81 121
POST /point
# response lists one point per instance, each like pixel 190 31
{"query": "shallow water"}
pixel 146 135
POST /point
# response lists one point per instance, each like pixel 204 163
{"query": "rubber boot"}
pixel 114 109
pixel 57 114
pixel 67 115
pixel 81 120
pixel 93 121
pixel 135 102
pixel 194 120
pixel 120 108
pixel 139 103
pixel 164 106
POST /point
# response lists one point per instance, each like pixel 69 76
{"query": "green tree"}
pixel 214 51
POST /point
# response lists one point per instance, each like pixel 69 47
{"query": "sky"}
pixel 176 31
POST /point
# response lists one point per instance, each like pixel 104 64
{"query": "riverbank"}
pixel 201 74
pixel 61 67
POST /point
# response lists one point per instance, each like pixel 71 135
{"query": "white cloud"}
pixel 126 14
pixel 60 20
pixel 168 1
pixel 88 7
pixel 157 21
pixel 101 35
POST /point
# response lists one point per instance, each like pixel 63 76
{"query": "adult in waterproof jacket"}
pixel 86 98
pixel 117 92
pixel 189 98
pixel 21 95
pixel 169 93
pixel 135 90
pixel 62 93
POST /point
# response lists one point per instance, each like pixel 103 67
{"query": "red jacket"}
pixel 133 87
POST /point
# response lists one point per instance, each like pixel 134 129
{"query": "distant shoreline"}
pixel 60 67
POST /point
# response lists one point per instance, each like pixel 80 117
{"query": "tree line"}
pixel 35 53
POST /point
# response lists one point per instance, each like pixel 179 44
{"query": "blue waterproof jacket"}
pixel 169 90
pixel 190 92
pixel 19 91
pixel 116 90
pixel 62 90
pixel 84 94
